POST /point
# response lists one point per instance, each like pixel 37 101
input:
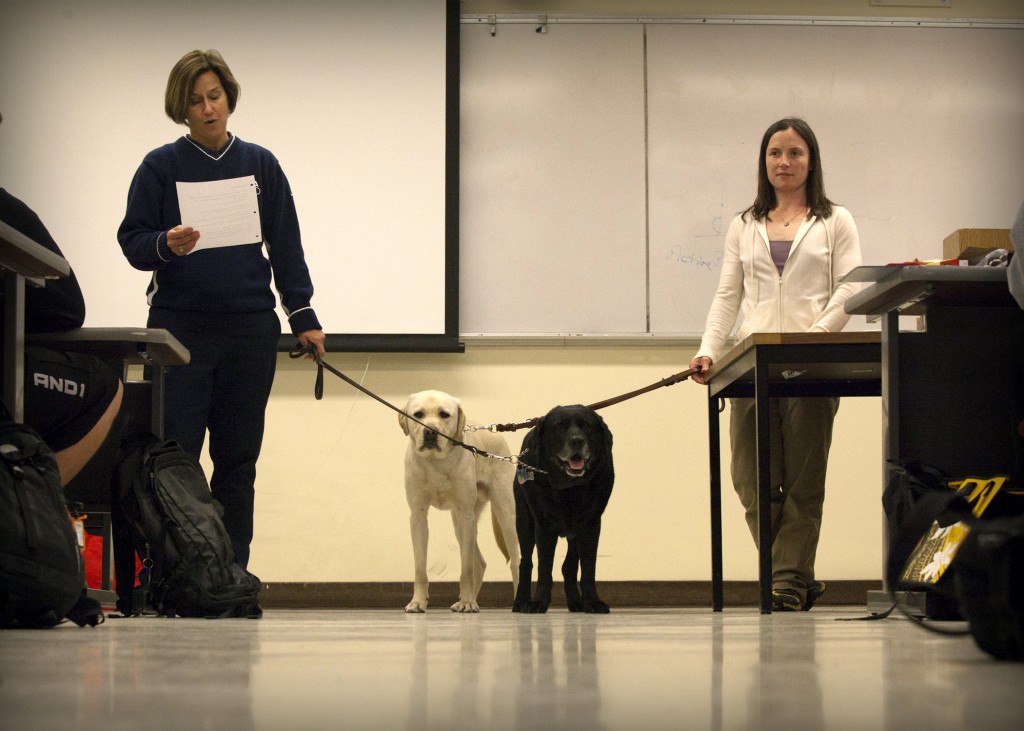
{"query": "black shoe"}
pixel 815 591
pixel 247 611
pixel 786 600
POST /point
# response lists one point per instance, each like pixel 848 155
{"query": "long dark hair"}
pixel 818 203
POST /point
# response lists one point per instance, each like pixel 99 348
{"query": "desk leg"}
pixel 764 477
pixel 157 397
pixel 14 344
pixel 715 458
pixel 890 417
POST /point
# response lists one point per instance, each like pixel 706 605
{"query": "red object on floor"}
pixel 93 553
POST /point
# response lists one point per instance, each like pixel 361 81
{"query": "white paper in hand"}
pixel 224 212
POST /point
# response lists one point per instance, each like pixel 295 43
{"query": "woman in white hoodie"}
pixel 784 259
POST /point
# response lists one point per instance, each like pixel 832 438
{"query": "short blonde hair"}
pixel 183 79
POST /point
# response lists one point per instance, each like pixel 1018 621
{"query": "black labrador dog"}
pixel 573 448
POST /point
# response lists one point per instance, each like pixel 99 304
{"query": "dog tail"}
pixel 498 536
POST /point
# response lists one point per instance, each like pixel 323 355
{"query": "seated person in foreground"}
pixel 71 399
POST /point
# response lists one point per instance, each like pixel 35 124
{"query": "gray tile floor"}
pixel 379 669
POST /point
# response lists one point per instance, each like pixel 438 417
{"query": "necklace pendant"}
pixel 786 223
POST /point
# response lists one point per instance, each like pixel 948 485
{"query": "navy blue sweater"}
pixel 228 279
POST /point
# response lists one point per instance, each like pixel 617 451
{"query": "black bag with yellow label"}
pixel 961 543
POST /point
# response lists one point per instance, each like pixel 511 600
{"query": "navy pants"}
pixel 224 390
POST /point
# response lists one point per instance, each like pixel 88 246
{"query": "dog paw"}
pixel 536 608
pixel 597 607
pixel 465 607
pixel 416 606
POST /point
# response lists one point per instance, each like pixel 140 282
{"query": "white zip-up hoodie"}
pixel 808 295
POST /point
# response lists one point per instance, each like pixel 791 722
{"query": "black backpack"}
pixel 164 511
pixel 42 573
pixel 984 583
pixel 916 495
pixel 990 585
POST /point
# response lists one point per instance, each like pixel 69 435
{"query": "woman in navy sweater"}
pixel 218 301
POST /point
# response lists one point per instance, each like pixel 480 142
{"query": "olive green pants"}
pixel 801 434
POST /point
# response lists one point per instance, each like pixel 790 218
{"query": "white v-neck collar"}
pixel 206 152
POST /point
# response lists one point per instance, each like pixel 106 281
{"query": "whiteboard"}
pixel 552 234
pixel 920 132
pixel 350 96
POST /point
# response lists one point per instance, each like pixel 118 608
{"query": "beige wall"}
pixel 330 500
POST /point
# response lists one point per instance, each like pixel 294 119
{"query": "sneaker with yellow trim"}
pixel 786 600
pixel 816 590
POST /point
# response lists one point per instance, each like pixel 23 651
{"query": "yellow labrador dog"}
pixel 442 475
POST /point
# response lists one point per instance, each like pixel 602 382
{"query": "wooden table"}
pixel 775 365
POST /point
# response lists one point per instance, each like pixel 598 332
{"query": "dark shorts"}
pixel 65 394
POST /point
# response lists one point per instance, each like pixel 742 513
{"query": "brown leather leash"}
pixel 299 351
pixel 530 423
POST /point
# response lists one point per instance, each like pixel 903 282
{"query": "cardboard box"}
pixel 971 243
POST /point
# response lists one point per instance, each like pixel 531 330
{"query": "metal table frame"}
pixel 947 388
pixel 774 365
pixel 21 260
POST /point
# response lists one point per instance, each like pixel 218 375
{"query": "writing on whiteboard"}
pixel 704 262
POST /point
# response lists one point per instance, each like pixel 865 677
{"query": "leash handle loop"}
pixel 300 351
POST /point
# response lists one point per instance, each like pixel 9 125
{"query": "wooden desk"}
pixel 21 260
pixel 947 390
pixel 774 365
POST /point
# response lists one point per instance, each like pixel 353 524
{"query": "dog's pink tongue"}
pixel 576 463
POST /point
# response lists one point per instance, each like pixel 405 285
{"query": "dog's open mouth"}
pixel 575 466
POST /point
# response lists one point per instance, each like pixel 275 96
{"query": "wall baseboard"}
pixel 495 594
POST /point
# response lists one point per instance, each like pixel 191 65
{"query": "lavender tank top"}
pixel 780 253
